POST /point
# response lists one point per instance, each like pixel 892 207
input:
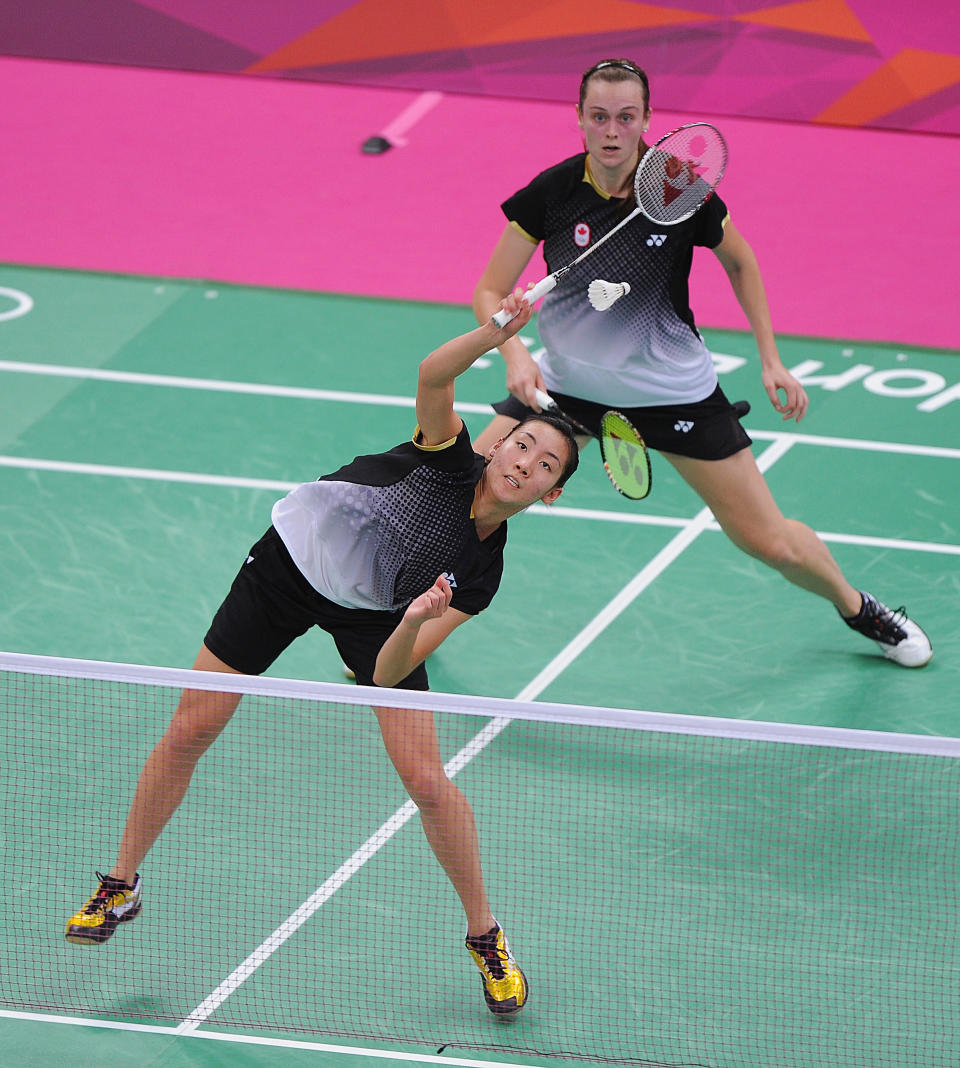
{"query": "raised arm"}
pixel 740 263
pixel 438 372
pixel 512 254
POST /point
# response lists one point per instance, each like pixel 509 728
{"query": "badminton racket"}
pixel 625 457
pixel 675 178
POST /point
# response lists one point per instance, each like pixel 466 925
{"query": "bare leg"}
pixel 200 717
pixel 411 741
pixel 736 492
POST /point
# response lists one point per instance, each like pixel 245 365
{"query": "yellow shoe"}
pixel 114 902
pixel 505 987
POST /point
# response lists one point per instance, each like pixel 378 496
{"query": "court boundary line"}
pixel 259 1040
pixel 218 385
pixel 559 511
pixel 222 385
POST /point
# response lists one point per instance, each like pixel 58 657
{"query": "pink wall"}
pixel 263 182
pixel 877 63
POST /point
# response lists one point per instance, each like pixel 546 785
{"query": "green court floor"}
pixel 147 427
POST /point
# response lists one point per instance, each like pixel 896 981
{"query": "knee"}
pixel 427 786
pixel 198 722
pixel 776 547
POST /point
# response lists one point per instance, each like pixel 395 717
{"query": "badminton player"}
pixel 644 355
pixel 389 555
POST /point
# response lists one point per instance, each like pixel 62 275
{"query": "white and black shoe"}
pixel 899 638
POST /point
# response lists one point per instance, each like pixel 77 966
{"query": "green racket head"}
pixel 625 456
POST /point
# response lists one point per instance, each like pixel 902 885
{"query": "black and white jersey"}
pixel 378 532
pixel 645 349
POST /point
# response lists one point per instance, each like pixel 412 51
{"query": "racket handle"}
pixel 541 289
pixel 545 401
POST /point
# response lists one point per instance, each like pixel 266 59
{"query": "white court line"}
pixel 261 389
pixel 655 566
pixel 558 511
pixel 255 1040
pixel 380 837
pixel 219 385
pixel 149 473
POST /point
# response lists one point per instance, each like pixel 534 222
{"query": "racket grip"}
pixel 545 401
pixel 541 289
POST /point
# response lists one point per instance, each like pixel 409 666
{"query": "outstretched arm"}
pixel 438 421
pixel 428 621
pixel 740 263
pixel 511 255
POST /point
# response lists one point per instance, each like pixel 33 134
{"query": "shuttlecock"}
pixel 602 294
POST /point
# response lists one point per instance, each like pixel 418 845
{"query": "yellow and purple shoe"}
pixel 505 987
pixel 115 902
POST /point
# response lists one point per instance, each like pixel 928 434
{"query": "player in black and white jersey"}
pixel 389 554
pixel 644 355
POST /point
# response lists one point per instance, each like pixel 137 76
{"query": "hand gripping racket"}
pixel 675 178
pixel 624 454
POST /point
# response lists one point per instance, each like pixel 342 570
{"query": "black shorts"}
pixel 270 603
pixel 707 430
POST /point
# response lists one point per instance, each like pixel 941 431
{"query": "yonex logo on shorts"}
pixel 448 575
pixel 683 425
pixel 656 239
pixel 581 235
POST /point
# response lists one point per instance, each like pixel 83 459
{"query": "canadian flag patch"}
pixel 581 235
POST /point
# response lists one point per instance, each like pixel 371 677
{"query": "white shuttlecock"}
pixel 602 294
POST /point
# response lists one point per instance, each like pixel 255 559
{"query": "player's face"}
pixel 613 119
pixel 526 465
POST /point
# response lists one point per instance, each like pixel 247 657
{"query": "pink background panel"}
pixel 263 182
pixel 877 63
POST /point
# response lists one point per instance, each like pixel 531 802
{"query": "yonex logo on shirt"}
pixel 656 239
pixel 683 425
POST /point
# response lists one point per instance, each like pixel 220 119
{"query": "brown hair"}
pixel 615 70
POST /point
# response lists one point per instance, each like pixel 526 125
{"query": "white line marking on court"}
pixel 256 1040
pixel 865 444
pixel 654 567
pixel 217 385
pixel 151 474
pixel 867 540
pixel 388 400
pixel 297 918
pixel 409 117
pixel 23 303
pixel 380 837
pixel 559 511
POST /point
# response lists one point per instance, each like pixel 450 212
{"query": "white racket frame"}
pixel 543 287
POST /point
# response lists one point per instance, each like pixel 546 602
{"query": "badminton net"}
pixel 680 891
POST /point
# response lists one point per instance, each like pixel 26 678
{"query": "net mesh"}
pixel 680 172
pixel 677 895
